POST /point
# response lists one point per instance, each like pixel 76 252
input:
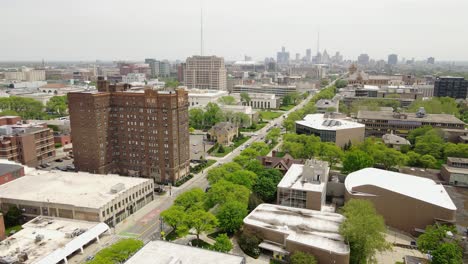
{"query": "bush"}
pixel 118 252
pixel 183 180
pixel 58 145
pixel 249 244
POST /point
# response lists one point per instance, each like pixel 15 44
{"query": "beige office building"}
pixel 205 72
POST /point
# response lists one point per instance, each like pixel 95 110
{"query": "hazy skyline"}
pixel 134 30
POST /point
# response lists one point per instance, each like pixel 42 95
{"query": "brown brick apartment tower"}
pixel 134 133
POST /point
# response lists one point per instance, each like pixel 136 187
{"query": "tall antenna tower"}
pixel 201 29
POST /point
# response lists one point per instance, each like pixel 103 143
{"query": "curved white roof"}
pixel 412 186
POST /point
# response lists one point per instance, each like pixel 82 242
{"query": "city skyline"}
pixel 116 31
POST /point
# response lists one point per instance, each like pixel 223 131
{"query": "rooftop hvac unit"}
pixel 117 188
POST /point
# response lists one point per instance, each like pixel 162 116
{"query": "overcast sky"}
pixel 170 29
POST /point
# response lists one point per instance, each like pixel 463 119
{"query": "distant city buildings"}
pixel 430 60
pixel 392 59
pixel 282 57
pixel 28 144
pixel 136 133
pixel 29 75
pixel 134 78
pixel 261 100
pixel 455 87
pixel 205 72
pixel 399 198
pixel 331 128
pixel 278 90
pixel 363 59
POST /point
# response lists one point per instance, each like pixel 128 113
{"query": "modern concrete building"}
pixel 49 240
pixel 392 59
pixel 171 253
pixel 285 230
pixel 137 133
pixel 363 59
pixel 304 186
pixel 205 72
pixel 278 90
pixel 201 97
pixel 261 100
pixel 379 123
pixel 337 130
pixel 455 87
pixel 28 144
pixel 406 202
pixel 76 195
pixel 455 171
pixel 29 75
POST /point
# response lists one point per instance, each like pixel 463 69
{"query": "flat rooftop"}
pixel 294 179
pixel 162 252
pixel 457 160
pixel 6 168
pixel 419 188
pixel 54 233
pixel 308 227
pixel 320 122
pixel 79 189
pixel 384 115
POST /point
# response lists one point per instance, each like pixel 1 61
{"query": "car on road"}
pixel 89 258
pixel 255 134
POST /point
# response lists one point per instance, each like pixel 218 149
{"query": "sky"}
pixel 170 29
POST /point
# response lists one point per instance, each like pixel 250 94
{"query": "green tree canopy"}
pixel 223 191
pixel 118 252
pixel 213 114
pixel 27 108
pixel 196 118
pixel 364 230
pixel 300 257
pixel 242 177
pixel 202 221
pixel 444 249
pixel 356 159
pixel 227 100
pixel 436 105
pixel 231 216
pixel 191 200
pixel 176 217
pixel 428 161
pixel 331 153
pixel 245 97
pixel 222 243
pixel 58 104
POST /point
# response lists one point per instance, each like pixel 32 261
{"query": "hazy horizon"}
pixel 133 30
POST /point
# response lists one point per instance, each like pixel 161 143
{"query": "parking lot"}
pixel 196 146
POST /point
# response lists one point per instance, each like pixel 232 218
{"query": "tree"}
pixel 428 161
pixel 355 160
pixel 222 243
pixel 223 191
pixel 242 119
pixel 242 177
pixel 267 184
pixel 249 244
pixel 254 201
pixel 231 216
pixel 202 221
pixel 191 200
pixel 27 108
pixel 244 97
pixel 58 104
pixel 413 159
pixel 436 105
pixel 331 153
pixel 287 100
pixel 261 147
pixel 341 83
pixel 273 135
pixel 213 114
pixel 221 149
pixel 227 100
pixel 13 216
pixel 196 118
pixel 364 230
pixel 456 150
pixel 300 257
pixel 431 143
pixel 389 157
pixel 171 84
pixel 447 253
pixel 118 252
pixel 420 131
pixel 176 217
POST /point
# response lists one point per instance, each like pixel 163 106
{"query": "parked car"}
pixel 59 160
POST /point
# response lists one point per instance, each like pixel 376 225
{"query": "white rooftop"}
pixel 162 252
pixel 308 227
pixel 205 93
pixel 53 234
pixel 412 186
pixel 294 179
pixel 318 121
pixel 79 189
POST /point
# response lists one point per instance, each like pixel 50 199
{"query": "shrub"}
pixel 249 244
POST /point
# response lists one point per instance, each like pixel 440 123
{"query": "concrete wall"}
pixel 314 201
pixel 355 135
pixel 400 211
pixel 322 256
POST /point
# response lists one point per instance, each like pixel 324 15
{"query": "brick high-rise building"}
pixel 135 133
pixel 205 72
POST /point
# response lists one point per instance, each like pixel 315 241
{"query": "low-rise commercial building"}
pixel 49 240
pixel 455 171
pixel 337 130
pixel 260 100
pixel 304 186
pixel 285 230
pixel 167 252
pixel 406 202
pixel 278 90
pixel 326 105
pixel 379 123
pixel 81 196
pixel 28 144
pixel 201 97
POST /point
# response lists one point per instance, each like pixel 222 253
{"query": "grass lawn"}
pixel 268 115
pixel 253 129
pixel 286 107
pixel 15 228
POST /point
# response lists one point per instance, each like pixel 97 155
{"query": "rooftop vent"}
pixel 421 112
pixel 117 188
